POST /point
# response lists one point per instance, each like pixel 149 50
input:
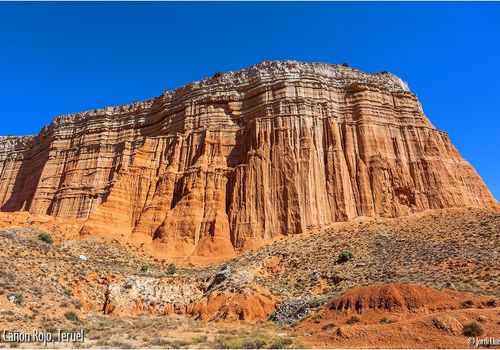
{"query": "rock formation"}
pixel 228 163
pixel 235 298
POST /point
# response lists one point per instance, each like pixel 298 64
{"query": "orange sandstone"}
pixel 229 163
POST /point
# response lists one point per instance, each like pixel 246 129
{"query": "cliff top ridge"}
pixel 336 74
pixel 266 71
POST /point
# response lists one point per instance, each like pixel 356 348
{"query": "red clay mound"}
pixel 400 298
pixel 399 316
pixel 229 306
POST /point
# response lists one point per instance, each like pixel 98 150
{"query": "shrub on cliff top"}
pixel 45 237
pixel 218 74
pixel 144 267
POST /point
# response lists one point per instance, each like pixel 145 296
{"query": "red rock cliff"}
pixel 230 162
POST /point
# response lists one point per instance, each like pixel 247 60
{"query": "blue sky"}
pixel 57 58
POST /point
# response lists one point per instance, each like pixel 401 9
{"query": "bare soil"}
pixel 453 252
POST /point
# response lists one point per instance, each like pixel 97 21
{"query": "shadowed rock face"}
pixel 230 162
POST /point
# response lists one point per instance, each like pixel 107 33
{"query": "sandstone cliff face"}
pixel 230 162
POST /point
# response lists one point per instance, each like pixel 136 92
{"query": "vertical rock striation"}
pixel 230 162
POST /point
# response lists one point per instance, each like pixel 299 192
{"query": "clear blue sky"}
pixel 57 58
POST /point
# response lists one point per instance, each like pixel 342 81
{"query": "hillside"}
pixel 298 279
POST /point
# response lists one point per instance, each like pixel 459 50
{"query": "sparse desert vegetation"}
pixel 473 329
pixel 45 237
pixel 51 287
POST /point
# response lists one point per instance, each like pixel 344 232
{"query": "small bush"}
pixel 68 292
pixel 248 344
pixel 328 326
pixel 119 344
pixel 18 298
pixel 171 270
pixel 345 255
pixel 45 237
pixel 144 267
pixel 473 329
pixel 260 342
pixel 198 340
pixel 227 344
pixel 218 74
pixel 387 320
pixel 467 304
pixel 272 316
pixel 353 319
pixel 316 318
pixel 491 303
pixel 345 64
pixel 314 302
pixel 277 344
pixel 77 303
pixel 72 316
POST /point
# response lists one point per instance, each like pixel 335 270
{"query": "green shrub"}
pixel 353 319
pixel 277 344
pixel 472 329
pixel 45 237
pixel 345 64
pixel 72 316
pixel 314 302
pixel 68 292
pixel 200 339
pixel 144 267
pixel 281 343
pixel 171 269
pixel 272 316
pixel 345 255
pixel 260 342
pixel 227 344
pixel 218 74
pixel 18 298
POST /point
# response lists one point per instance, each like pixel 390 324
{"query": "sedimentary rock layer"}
pixel 230 162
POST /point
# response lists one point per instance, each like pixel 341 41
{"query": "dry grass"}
pixel 457 248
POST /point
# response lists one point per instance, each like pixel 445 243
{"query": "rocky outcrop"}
pixel 235 297
pixel 228 163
